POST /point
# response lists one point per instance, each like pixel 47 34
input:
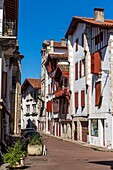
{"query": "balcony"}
pixel 9 28
pixel 62 92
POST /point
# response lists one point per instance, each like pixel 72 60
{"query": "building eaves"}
pixel 90 21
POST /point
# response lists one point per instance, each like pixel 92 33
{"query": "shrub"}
pixel 14 154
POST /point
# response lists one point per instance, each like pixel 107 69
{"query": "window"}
pixel 76 99
pixel 76 45
pixel 34 108
pixel 96 63
pixel 97 93
pixel 99 38
pixel 94 127
pixel 28 108
pixel 76 71
pixel 83 98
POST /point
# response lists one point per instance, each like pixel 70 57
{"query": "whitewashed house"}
pixel 90 54
pixel 31 104
pixel 51 50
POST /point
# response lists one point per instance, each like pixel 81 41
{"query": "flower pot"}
pixel 34 150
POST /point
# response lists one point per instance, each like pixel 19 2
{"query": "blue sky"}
pixel 41 20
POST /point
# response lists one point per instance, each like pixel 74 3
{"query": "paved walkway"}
pixel 67 154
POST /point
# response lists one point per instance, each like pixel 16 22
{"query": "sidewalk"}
pixel 104 149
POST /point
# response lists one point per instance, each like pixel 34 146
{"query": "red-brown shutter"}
pixel 83 98
pixel 80 69
pixel 97 93
pixel 76 99
pixel 49 106
pixel 92 63
pixel 97 62
pixel 76 71
pixel 4 84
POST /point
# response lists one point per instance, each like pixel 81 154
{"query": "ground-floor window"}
pixel 94 127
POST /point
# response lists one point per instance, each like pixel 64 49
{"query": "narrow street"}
pixel 64 155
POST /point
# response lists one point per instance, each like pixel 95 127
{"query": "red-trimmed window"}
pixel 76 99
pixel 96 63
pixel 97 93
pixel 83 98
pixel 76 71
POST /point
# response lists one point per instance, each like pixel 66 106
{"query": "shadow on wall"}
pixel 31 124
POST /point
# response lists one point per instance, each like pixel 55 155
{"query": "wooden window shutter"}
pixel 92 64
pixel 83 98
pixel 97 93
pixel 80 69
pixel 76 71
pixel 97 62
pixel 76 99
pixel 4 84
pixel 76 45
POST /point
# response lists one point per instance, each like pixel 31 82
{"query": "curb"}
pixel 103 149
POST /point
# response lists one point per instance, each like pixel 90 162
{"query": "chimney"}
pixel 99 14
pixel 63 42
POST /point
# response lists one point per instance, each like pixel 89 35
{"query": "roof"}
pixel 90 21
pixel 35 83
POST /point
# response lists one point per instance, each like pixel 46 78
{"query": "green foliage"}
pixel 35 140
pixel 14 154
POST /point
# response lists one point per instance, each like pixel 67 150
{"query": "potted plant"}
pixel 35 146
pixel 15 156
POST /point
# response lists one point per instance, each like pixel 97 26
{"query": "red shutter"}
pixel 4 84
pixel 49 106
pixel 97 93
pixel 76 99
pixel 80 69
pixel 76 71
pixel 92 63
pixel 95 63
pixel 83 98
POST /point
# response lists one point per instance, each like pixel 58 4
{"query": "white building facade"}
pixel 90 54
pixel 31 104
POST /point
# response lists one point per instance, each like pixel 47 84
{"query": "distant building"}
pixel 31 104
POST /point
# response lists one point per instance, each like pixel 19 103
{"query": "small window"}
pixel 76 99
pixel 99 38
pixel 76 45
pixel 83 40
pixel 98 93
pixel 76 71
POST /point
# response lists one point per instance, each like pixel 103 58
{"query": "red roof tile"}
pixel 35 83
pixel 59 45
pixel 75 20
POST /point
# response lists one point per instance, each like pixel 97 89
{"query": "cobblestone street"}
pixel 64 155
